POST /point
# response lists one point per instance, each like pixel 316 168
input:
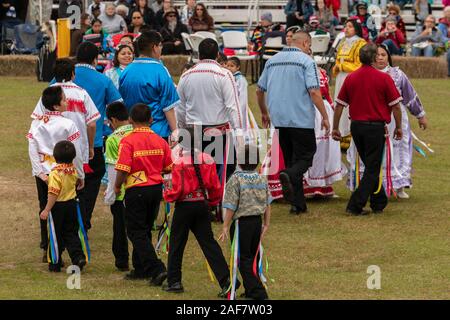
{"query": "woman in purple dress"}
pixel 402 150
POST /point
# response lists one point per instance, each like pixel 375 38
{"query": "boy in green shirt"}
pixel 117 116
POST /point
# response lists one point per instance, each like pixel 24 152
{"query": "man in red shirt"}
pixel 143 157
pixel 371 96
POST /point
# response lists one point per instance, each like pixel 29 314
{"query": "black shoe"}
pixel 286 185
pixel 81 263
pixel 123 268
pixel 44 257
pixel 224 292
pixel 177 287
pixel 54 268
pixel 133 275
pixel 377 211
pixel 158 280
pixel 357 213
pixel 296 210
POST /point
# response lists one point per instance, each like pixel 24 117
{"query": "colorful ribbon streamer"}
pixel 164 233
pixel 53 251
pixel 210 272
pixel 83 235
pixel 234 262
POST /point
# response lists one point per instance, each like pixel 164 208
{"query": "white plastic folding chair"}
pixel 207 34
pixel 275 43
pixel 186 41
pixel 319 46
pixel 195 41
pixel 238 40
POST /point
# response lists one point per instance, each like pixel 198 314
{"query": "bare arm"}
pixel 51 200
pixel 316 98
pixel 397 112
pixel 226 224
pixel 91 127
pixel 171 119
pixel 260 96
pixel 120 179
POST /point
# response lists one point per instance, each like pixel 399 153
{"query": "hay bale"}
pixel 175 64
pixel 422 67
pixel 18 65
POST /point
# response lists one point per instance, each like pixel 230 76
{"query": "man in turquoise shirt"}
pixel 291 81
pixel 147 80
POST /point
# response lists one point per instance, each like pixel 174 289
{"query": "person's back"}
pixel 366 92
pixel 290 66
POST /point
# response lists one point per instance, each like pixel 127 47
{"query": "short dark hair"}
pixel 221 58
pixel 87 52
pixel 117 110
pixel 140 113
pixel 208 49
pixel 368 54
pixel 249 163
pixel 64 152
pixel 147 40
pixel 51 97
pixel 235 61
pixel 64 68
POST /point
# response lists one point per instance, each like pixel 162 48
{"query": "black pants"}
pixel 92 182
pixel 231 166
pixel 140 214
pixel 120 241
pixel 298 147
pixel 369 140
pixel 249 238
pixel 66 229
pixel 42 190
pixel 194 216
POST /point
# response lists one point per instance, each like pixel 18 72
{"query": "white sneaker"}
pixel 402 194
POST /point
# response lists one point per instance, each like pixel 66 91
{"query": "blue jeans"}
pixel 427 51
pixel 393 49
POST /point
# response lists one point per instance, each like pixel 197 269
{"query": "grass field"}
pixel 321 255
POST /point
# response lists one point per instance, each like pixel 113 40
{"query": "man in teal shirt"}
pixel 147 80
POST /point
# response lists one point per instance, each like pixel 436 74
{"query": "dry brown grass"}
pixel 18 65
pixel 422 67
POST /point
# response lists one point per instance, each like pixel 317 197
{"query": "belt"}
pixel 372 123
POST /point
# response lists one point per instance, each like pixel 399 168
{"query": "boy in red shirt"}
pixel 143 157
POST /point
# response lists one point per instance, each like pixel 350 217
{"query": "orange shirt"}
pixel 144 156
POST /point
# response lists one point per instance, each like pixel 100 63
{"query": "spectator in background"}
pixel 444 27
pixel 124 56
pixel 298 12
pixel 125 3
pixel 159 17
pixel 201 20
pixel 264 27
pixel 394 11
pixel 427 39
pixel 77 34
pixel 64 5
pixel 105 43
pixel 124 12
pixel 156 5
pixel 96 4
pixel 290 33
pixel 188 11
pixel 112 22
pixel 327 13
pixel 137 22
pixel 315 26
pixel 421 9
pixel 96 11
pixel 147 13
pixel 369 27
pixel 392 37
pixel 171 33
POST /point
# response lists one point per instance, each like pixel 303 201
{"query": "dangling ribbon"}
pixel 258 265
pixel 389 186
pixel 210 273
pixel 383 161
pixel 52 252
pixel 234 261
pixel 421 142
pixel 83 235
pixel 420 151
pixel 164 232
pixel 357 165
